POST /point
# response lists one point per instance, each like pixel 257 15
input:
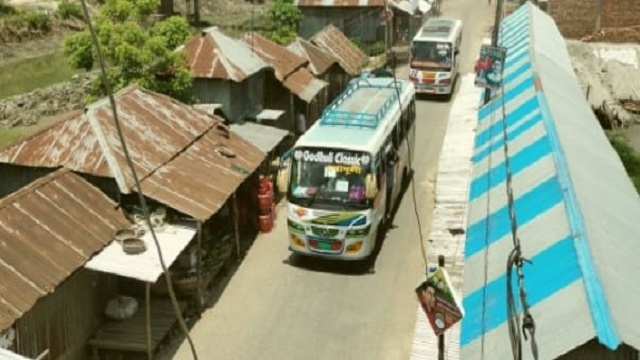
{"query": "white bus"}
pixel 335 176
pixel 434 56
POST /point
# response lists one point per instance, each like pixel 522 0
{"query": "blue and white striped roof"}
pixel 578 212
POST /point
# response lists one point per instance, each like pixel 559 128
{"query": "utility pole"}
pixel 441 336
pixel 494 39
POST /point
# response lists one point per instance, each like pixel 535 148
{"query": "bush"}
pixel 375 49
pixel 357 42
pixel 6 9
pixel 37 21
pixel 68 10
pixel 629 157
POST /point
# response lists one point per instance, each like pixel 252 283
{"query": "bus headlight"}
pixel 359 232
pixel 355 247
pixel 294 226
pixel 297 241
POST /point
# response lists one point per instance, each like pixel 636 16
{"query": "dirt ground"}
pixel 610 77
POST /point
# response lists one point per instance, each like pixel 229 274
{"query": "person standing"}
pixel 392 157
pixel 301 124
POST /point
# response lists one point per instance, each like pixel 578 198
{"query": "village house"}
pixel 408 17
pixel 332 41
pixel 228 75
pixel 357 19
pixel 50 304
pixel 192 168
pixel 322 65
pixel 291 87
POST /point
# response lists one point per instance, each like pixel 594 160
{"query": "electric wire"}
pixel 516 329
pixel 410 153
pixel 486 236
pixel 143 203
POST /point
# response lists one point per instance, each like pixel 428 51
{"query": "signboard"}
pixel 332 157
pixel 490 67
pixel 439 301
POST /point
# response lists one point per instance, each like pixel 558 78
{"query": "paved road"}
pixel 277 308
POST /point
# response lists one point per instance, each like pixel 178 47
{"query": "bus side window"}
pixel 395 136
pixel 412 112
pixel 407 119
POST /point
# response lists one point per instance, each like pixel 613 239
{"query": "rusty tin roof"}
pixel 49 229
pixel 160 133
pixel 212 54
pixel 342 3
pixel 332 40
pixel 281 59
pixel 319 60
pixel 155 126
pixel 200 180
pixel 304 84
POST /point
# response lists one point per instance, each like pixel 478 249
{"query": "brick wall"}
pixel 577 18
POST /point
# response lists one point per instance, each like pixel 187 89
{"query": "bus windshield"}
pixel 328 178
pixel 431 56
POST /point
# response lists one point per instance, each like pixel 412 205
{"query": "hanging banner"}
pixel 439 301
pixel 489 67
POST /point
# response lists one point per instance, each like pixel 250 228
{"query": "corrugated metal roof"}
pixel 575 207
pixel 341 3
pixel 333 41
pixel 48 230
pixel 199 180
pixel 9 355
pixel 304 84
pixel 264 137
pixel 283 61
pixel 145 266
pixel 162 137
pixel 212 54
pixel 319 60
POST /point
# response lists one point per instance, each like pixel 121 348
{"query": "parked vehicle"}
pixel 434 56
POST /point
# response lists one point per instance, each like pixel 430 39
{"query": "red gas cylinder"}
pixel 265 223
pixel 265 202
pixel 266 186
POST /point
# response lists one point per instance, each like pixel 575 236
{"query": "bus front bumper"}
pixel 349 249
pixel 433 89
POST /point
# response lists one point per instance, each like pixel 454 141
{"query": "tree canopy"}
pixel 286 17
pixel 134 50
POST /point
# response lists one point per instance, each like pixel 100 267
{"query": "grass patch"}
pixel 630 158
pixel 9 136
pixel 27 75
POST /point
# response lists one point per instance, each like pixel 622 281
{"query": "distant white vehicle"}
pixel 434 56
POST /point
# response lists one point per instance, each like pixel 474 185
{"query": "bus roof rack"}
pixel 333 116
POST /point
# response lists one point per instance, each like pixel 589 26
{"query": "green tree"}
pixel 286 18
pixel 133 50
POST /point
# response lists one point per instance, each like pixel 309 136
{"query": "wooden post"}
pixel 147 306
pixel 441 337
pixel 598 14
pixel 199 266
pixel 236 229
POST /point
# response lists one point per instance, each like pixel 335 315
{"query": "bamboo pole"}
pixel 199 266
pixel 235 224
pixel 147 305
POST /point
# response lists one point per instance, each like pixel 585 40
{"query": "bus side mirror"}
pixel 371 186
pixel 283 179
